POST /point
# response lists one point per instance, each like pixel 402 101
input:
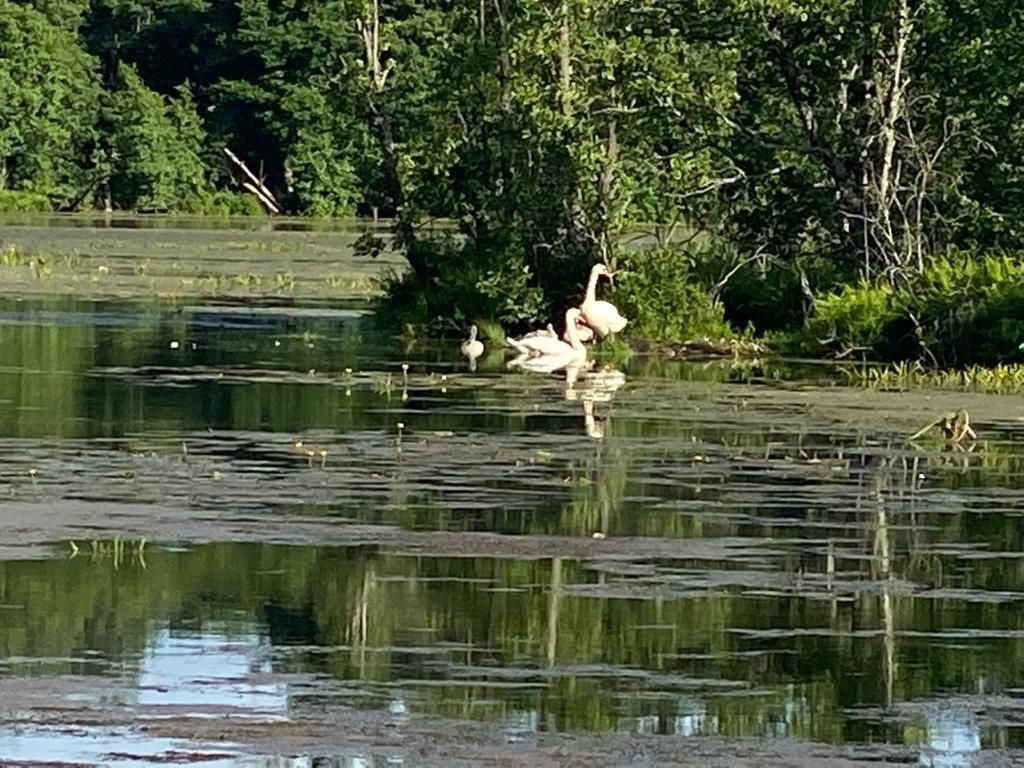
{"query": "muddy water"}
pixel 249 537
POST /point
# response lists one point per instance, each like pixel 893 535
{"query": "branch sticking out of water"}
pixel 956 428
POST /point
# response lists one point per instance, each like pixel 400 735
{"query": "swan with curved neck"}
pixel 472 348
pixel 602 316
pixel 550 352
pixel 549 331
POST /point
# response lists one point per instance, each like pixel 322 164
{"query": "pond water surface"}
pixel 274 536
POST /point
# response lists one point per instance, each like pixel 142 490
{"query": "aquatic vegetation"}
pixel 12 256
pixel 167 264
pixel 999 379
pixel 366 286
pixel 118 551
pixel 248 280
pixel 612 352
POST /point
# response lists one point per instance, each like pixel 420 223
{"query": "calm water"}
pixel 661 549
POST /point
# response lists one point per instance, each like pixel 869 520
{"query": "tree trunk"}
pixel 893 112
pixel 565 61
pixel 504 59
pixel 505 127
pixel 608 188
pixel 554 604
pixel 383 125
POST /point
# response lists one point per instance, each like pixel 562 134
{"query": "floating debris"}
pixel 956 428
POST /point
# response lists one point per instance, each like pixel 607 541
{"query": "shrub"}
pixel 962 309
pixel 657 290
pixel 15 201
pixel 971 308
pixel 495 276
pixel 767 293
pixel 856 317
pixel 466 287
pixel 225 203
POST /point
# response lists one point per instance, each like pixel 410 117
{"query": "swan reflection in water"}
pixel 590 387
pixel 544 352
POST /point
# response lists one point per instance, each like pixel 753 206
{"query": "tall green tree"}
pixel 306 99
pixel 50 91
pixel 154 146
pixel 872 131
pixel 558 129
pixel 62 13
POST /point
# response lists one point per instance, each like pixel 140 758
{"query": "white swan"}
pixel 602 316
pixel 472 348
pixel 595 428
pixel 584 331
pixel 549 353
pixel 549 331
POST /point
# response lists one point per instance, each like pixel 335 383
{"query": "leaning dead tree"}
pixel 253 184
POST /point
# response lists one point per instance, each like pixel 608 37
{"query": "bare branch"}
pixel 717 289
pixel 711 186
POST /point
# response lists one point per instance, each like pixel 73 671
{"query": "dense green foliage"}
pixel 654 285
pixel 812 145
pixel 960 310
pixel 50 89
pixel 156 145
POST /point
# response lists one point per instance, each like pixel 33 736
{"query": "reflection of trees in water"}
pixel 810 679
pixel 52 354
pixel 389 616
pixel 852 556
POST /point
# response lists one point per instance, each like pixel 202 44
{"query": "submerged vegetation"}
pixel 824 171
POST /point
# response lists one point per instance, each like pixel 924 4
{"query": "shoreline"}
pixel 303 263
